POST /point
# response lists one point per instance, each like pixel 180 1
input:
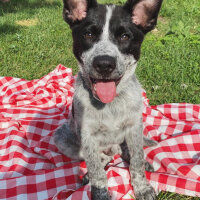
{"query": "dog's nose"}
pixel 104 65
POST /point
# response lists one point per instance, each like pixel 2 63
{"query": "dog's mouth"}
pixel 104 89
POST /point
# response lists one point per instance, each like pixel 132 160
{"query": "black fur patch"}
pixel 93 23
pixel 99 193
pixel 121 23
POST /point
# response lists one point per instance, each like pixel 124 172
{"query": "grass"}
pixel 34 40
pixel 170 64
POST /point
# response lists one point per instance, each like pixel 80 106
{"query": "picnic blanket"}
pixel 31 167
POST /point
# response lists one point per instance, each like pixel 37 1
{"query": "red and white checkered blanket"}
pixel 31 167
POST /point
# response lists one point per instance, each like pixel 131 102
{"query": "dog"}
pixel 106 115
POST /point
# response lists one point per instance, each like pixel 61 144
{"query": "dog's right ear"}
pixel 76 10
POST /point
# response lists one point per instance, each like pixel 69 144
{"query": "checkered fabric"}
pixel 31 167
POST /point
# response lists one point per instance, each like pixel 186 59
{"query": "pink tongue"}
pixel 106 91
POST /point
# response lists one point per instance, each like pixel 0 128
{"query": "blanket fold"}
pixel 31 167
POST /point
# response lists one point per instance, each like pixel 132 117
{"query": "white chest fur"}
pixel 110 121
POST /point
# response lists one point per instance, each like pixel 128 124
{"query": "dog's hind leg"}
pixel 67 142
pixel 108 154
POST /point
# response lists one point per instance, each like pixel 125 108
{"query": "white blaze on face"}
pixel 103 46
pixel 106 91
pixel 105 34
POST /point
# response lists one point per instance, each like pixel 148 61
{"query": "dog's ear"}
pixel 76 10
pixel 144 13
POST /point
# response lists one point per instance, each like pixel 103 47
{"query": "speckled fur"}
pixel 96 130
pixel 101 126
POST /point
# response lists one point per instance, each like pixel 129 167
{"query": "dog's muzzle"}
pixel 105 88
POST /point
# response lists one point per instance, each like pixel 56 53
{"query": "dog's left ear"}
pixel 144 13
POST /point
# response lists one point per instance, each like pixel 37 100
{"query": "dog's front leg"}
pixel 96 173
pixel 134 139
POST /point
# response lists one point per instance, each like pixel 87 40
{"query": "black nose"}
pixel 104 65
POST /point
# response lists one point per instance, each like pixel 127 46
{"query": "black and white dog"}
pixel 107 107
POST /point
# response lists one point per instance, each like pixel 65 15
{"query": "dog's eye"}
pixel 124 37
pixel 88 36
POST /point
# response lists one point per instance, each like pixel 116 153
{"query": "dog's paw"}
pixel 148 167
pixel 85 179
pixel 105 159
pixel 145 193
pixel 148 142
pixel 100 193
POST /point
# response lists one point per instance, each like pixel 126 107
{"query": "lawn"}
pixel 34 39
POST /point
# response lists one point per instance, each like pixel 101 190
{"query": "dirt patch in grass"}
pixel 4 1
pixel 163 20
pixel 27 22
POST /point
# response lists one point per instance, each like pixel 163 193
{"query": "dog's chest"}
pixel 110 125
pixel 110 132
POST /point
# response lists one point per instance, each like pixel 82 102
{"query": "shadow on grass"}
pixel 14 6
pixel 8 29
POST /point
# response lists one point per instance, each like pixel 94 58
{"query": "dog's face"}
pixel 107 40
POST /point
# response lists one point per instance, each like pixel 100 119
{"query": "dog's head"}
pixel 107 40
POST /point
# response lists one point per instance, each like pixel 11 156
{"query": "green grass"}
pixel 31 52
pixel 169 68
pixel 170 63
